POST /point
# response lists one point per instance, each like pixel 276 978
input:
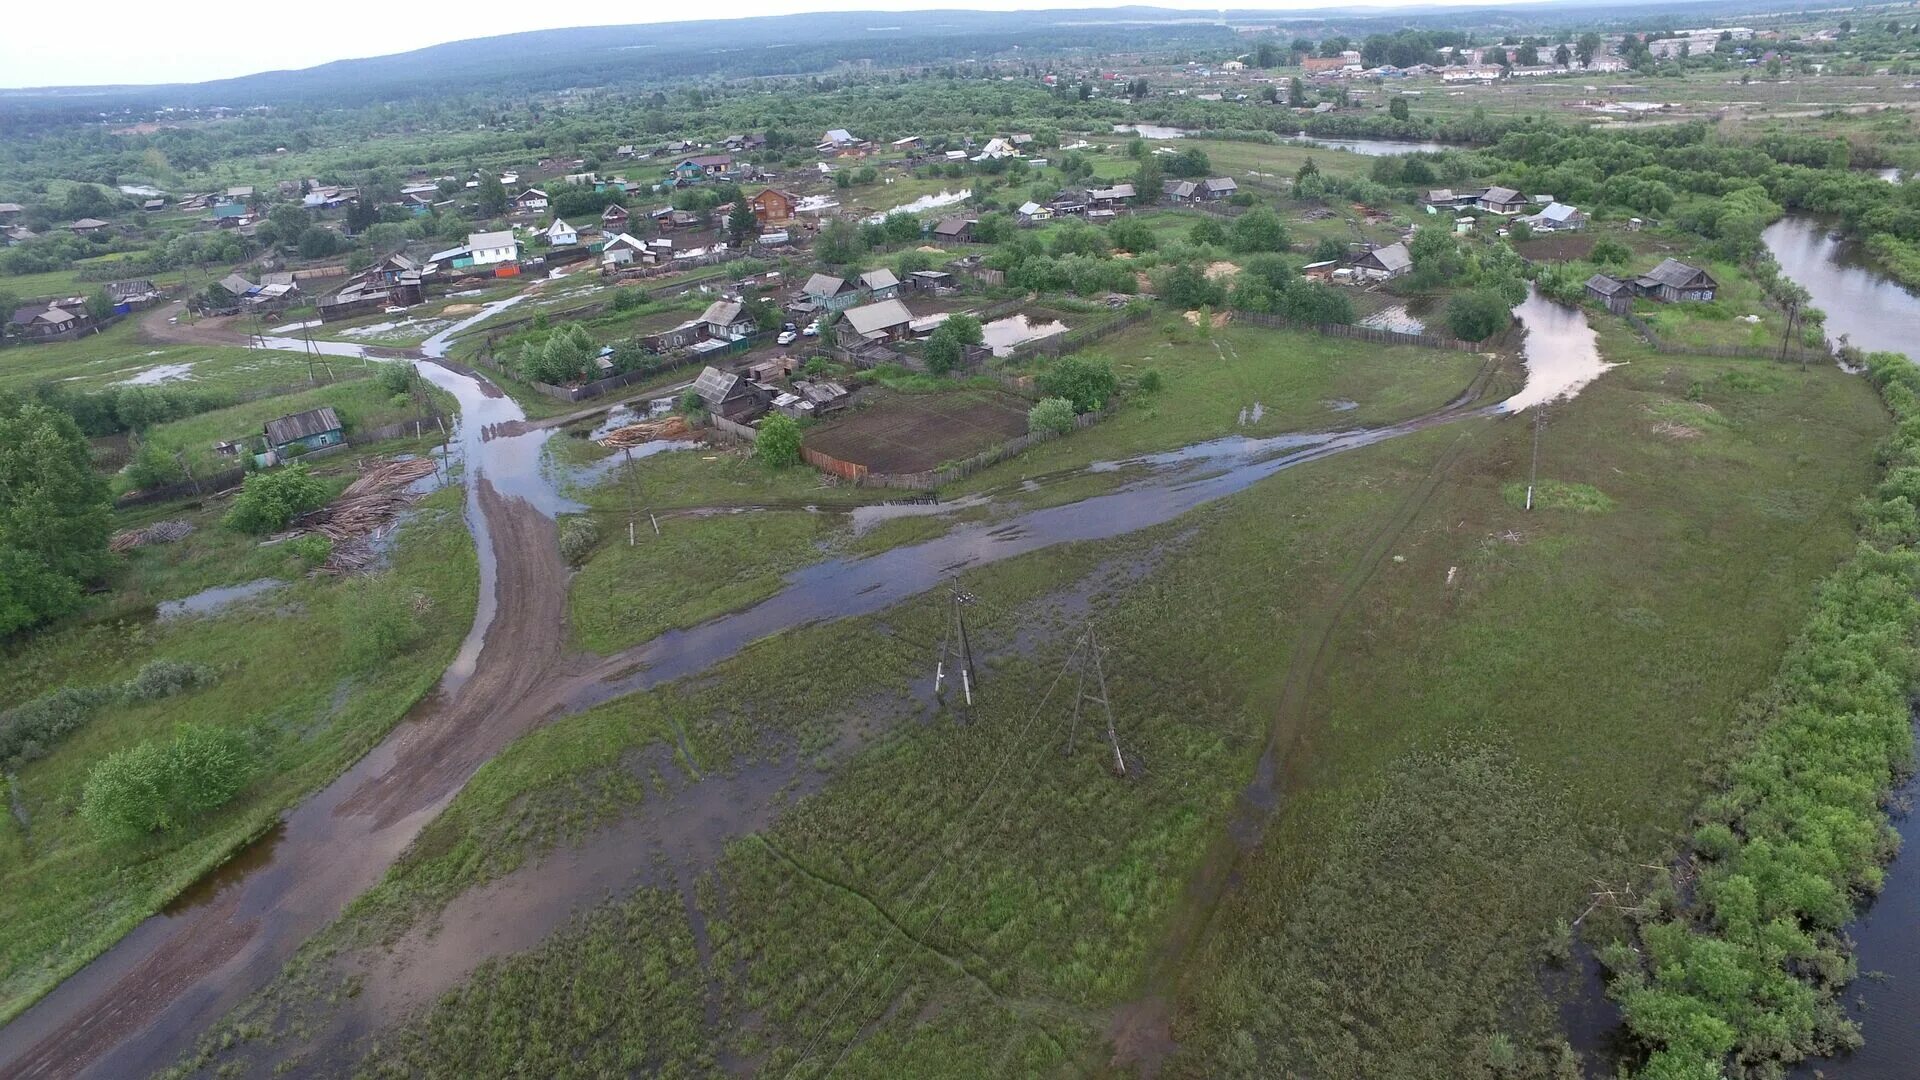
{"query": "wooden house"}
pixel 614 218
pixel 880 284
pixel 773 206
pixel 830 293
pixel 1674 282
pixel 1384 264
pixel 728 395
pixel 1617 295
pixel 301 432
pixel 884 321
pixel 1503 201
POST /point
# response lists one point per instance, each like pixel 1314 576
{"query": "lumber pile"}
pixel 162 532
pixel 667 427
pixel 365 511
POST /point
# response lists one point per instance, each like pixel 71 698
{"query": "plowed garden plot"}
pixel 906 433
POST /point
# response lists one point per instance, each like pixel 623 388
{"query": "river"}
pixel 1876 313
pixel 1364 147
pixel 140 1005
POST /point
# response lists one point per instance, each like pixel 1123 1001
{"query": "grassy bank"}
pixel 285 675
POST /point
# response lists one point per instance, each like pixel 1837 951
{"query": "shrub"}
pixel 29 731
pixel 311 549
pixel 1086 384
pixel 1610 251
pixel 397 377
pixel 578 537
pixel 267 501
pixel 778 443
pixel 1150 381
pixel 1053 414
pixel 160 787
pixel 377 622
pixel 1478 314
pixel 165 678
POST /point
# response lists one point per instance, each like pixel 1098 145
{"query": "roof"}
pixel 706 161
pixel 1676 274
pixel 715 386
pixel 786 195
pixel 952 226
pixel 1222 183
pixel 503 238
pixel 824 285
pixel 125 290
pixel 1601 283
pixel 874 318
pixel 533 191
pixel 1392 257
pixel 722 312
pixel 302 425
pixel 614 210
pixel 1117 191
pixel 11 208
pixel 1500 195
pixel 88 223
pixel 1439 195
pixel 879 279
pixel 1558 212
pixel 237 285
pixel 559 226
pixel 1179 189
pixel 840 135
pixel 47 313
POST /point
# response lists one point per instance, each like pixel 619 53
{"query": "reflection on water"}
pixel 1862 304
pixel 924 202
pixel 1371 147
pixel 208 601
pixel 1004 335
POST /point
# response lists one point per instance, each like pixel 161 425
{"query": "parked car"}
pixel 813 329
pixel 787 337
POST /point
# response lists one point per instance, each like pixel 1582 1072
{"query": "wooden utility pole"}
pixel 1533 471
pixel 958 644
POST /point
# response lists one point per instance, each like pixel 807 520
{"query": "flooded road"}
pixel 140 1005
pixel 1863 305
pixel 1562 352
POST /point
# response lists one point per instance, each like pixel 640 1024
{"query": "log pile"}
pixel 667 427
pixel 365 511
pixel 162 532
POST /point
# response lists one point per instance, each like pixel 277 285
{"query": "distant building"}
pixel 1384 264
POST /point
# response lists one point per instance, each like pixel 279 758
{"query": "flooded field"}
pixel 1004 335
pixel 210 601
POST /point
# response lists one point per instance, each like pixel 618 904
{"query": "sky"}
pixel 124 41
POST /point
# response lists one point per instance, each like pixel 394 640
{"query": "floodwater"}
pixel 1003 335
pixel 1402 318
pixel 209 601
pixel 924 202
pixel 1863 305
pixel 1562 353
pixel 158 374
pixel 1149 131
pixel 257 914
pixel 1371 147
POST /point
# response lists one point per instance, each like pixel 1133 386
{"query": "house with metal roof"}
pixel 1219 187
pixel 728 395
pixel 880 284
pixel 490 248
pixel 300 432
pixel 727 319
pixel 1502 200
pixel 1384 264
pixel 1180 191
pixel 1107 198
pixel 884 321
pixel 1557 217
pixel 829 292
pixel 1674 282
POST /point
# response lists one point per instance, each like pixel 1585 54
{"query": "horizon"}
pixel 124 49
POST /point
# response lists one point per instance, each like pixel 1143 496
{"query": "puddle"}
pixel 1397 318
pixel 159 373
pixel 292 326
pixel 209 601
pixel 865 518
pixel 1003 335
pixel 924 202
pixel 1341 405
pixel 1562 352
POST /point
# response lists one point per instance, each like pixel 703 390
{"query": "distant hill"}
pixel 548 60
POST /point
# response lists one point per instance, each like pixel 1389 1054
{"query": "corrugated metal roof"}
pixel 874 318
pixel 302 425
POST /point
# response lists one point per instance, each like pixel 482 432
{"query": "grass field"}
pixel 284 676
pixel 117 355
pixel 63 283
pixel 361 403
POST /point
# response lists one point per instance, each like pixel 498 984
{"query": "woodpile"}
pixel 162 532
pixel 667 427
pixel 365 510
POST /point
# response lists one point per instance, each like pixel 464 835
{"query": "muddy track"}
pixel 179 972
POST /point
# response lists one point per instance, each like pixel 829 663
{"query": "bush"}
pixel 1053 414
pixel 1478 315
pixel 311 549
pixel 578 537
pixel 1610 251
pixel 165 678
pixel 778 443
pixel 1086 384
pixel 155 787
pixel 29 731
pixel 378 622
pixel 1150 381
pixel 267 501
pixel 397 377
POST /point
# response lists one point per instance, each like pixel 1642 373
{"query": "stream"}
pixel 141 1004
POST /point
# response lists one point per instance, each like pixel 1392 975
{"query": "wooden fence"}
pixel 1059 344
pixel 1362 333
pixel 1793 354
pixel 860 476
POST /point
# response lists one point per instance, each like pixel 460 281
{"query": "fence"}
pixel 927 481
pixel 1793 354
pixel 1363 333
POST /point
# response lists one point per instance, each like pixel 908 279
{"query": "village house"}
pixel 1503 201
pixel 614 218
pixel 87 226
pixel 1180 191
pixel 561 234
pixel 1557 217
pixel 1110 197
pixel 57 321
pixel 17 234
pixel 883 321
pixel 1437 199
pixel 530 201
pixel 131 295
pixel 1031 212
pixel 829 293
pixel 301 432
pixel 1220 187
pixel 1617 295
pixel 773 206
pixel 491 248
pixel 1384 264
pixel 727 319
pixel 11 210
pixel 694 169
pixel 729 396
pixel 674 337
pixel 668 219
pixel 880 284
pixel 623 250
pixel 956 229
pixel 1322 66
pixel 1674 282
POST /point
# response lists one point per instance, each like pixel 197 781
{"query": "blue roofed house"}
pixel 299 433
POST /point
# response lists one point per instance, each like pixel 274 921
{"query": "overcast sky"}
pixel 123 41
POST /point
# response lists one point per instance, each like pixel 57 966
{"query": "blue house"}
pixel 293 435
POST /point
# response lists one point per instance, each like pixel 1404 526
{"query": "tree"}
pixel 269 500
pixel 741 223
pixel 1562 56
pixel 361 216
pixel 947 344
pixel 1187 286
pixel 99 305
pixel 54 514
pixel 1586 46
pixel 1520 232
pixel 1148 181
pixel 1053 414
pixel 1527 55
pixel 1397 108
pixel 491 195
pixel 1610 251
pixel 839 243
pixel 1258 230
pixel 566 355
pixel 1478 314
pixel 1086 383
pixel 778 443
pixel 1296 93
pixel 1206 232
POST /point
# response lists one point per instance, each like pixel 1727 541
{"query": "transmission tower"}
pixel 1084 656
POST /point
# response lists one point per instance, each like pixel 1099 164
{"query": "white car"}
pixel 787 337
pixel 813 329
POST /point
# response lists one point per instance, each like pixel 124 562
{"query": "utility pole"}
pixel 957 636
pixel 1087 652
pixel 1533 471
